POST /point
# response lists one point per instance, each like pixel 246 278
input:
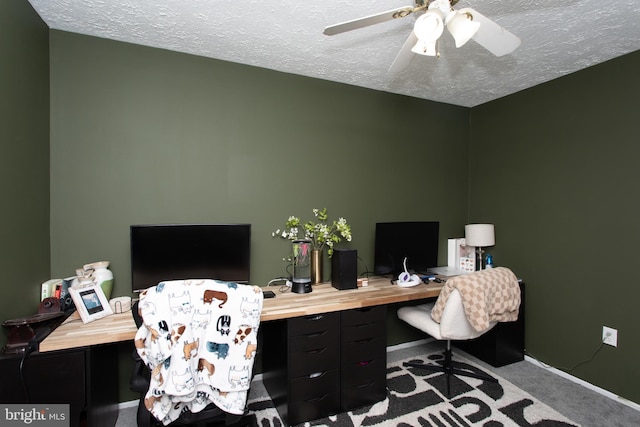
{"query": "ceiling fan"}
pixel 435 15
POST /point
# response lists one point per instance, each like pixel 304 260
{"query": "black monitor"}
pixel 189 251
pixel 417 241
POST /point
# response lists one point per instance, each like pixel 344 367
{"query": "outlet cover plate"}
pixel 612 339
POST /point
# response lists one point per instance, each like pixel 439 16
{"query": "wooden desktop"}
pixel 324 299
pixel 286 319
pixel 88 358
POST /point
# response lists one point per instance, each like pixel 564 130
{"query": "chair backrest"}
pixel 487 296
pixel 199 338
pixel 454 324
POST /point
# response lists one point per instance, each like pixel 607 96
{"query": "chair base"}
pixel 448 369
pixel 209 417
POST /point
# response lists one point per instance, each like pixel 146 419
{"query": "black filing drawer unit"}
pixel 82 377
pixel 314 357
pixel 503 344
pixel 319 365
pixel 363 361
pixel 301 364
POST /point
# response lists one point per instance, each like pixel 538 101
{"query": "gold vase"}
pixel 316 266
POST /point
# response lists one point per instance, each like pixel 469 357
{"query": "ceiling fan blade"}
pixel 493 37
pixel 368 20
pixel 404 57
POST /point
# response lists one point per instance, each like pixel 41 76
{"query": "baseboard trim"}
pixel 584 383
pixel 529 359
pixel 409 344
pixel 129 404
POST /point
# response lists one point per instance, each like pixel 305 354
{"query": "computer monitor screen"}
pixel 416 241
pixel 189 251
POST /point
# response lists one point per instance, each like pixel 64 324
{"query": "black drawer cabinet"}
pixel 301 366
pixel 363 361
pixel 83 378
pixel 319 365
pixel 503 344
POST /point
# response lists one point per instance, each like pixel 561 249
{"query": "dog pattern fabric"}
pixel 491 295
pixel 199 339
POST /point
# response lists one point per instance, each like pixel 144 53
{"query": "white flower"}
pixel 320 233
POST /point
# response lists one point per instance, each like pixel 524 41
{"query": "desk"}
pixel 76 342
pixel 324 299
pixel 94 338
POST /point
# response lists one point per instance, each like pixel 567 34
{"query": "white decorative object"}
pixel 120 304
pixel 90 302
pixel 101 275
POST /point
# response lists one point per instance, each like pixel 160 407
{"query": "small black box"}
pixel 344 266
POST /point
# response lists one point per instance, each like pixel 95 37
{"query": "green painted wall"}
pixel 556 169
pixel 142 135
pixel 24 159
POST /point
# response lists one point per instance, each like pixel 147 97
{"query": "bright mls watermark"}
pixel 34 415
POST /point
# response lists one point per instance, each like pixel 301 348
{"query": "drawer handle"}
pixel 318 398
pixel 367 385
pixel 316 375
pixel 316 350
pixel 364 362
pixel 317 334
pixel 364 340
pixel 364 325
pixel 316 317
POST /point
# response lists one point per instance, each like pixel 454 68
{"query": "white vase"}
pixel 101 275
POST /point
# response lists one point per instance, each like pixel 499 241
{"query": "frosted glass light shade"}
pixel 462 26
pixel 479 235
pixel 427 48
pixel 428 29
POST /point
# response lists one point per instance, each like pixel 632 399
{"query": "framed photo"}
pixel 91 302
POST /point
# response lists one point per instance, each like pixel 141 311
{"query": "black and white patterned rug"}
pixel 417 398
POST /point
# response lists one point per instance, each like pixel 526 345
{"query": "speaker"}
pixel 344 266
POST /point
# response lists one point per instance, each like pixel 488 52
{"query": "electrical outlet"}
pixel 610 336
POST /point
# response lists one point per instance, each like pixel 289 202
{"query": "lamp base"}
pixel 479 266
pixel 301 288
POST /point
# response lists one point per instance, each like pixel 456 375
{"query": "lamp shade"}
pixel 479 235
pixel 462 26
pixel 428 29
pixel 427 48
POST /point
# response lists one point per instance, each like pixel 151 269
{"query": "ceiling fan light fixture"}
pixel 429 26
pixel 462 26
pixel 427 48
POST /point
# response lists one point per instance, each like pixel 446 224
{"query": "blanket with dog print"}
pixel 199 339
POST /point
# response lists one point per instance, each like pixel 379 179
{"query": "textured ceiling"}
pixel 558 37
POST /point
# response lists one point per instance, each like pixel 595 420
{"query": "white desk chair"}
pixel 454 324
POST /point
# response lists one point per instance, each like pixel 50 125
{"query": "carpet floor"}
pixel 526 395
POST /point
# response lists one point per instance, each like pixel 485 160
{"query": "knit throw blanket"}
pixel 491 295
pixel 199 339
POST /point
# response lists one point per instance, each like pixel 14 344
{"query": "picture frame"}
pixel 91 302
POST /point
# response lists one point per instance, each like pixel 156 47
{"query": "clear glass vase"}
pixel 301 261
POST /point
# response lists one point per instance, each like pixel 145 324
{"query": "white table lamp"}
pixel 480 236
